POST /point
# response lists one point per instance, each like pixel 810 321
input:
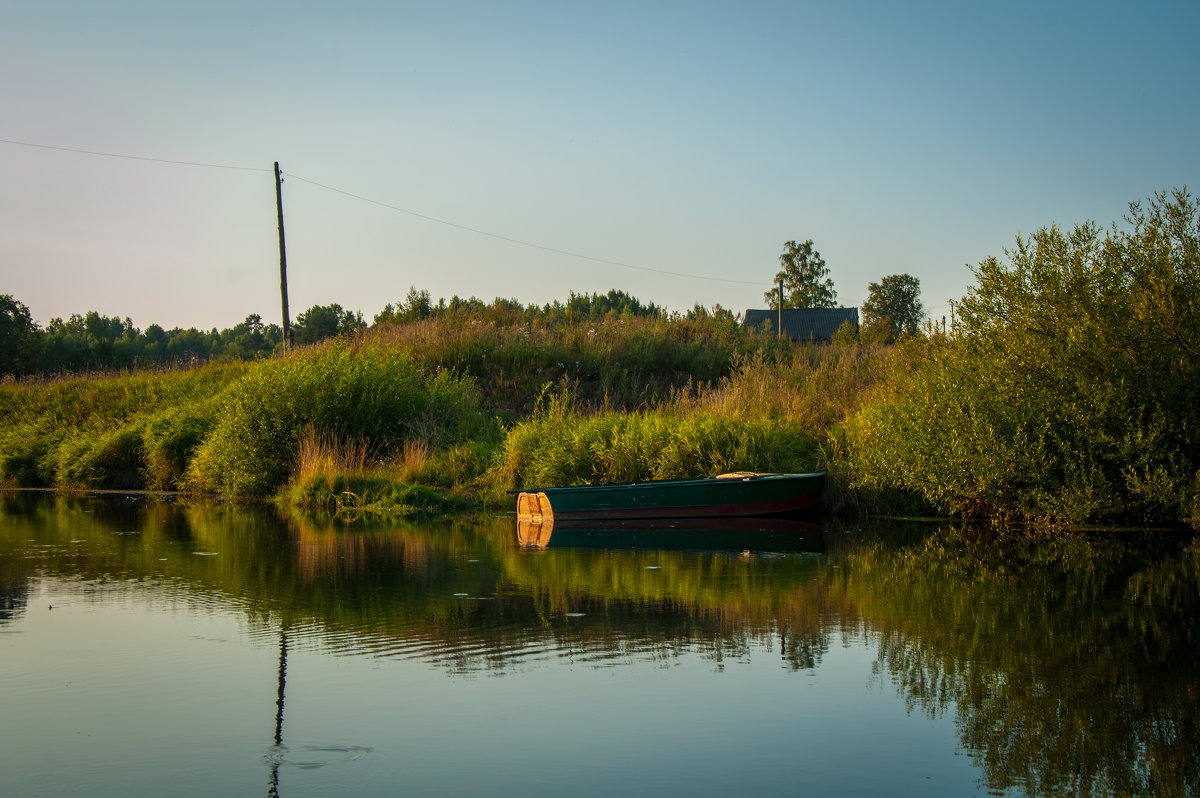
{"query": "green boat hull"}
pixel 730 495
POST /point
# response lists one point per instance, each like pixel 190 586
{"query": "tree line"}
pixel 95 342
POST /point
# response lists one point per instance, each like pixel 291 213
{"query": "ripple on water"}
pixel 310 757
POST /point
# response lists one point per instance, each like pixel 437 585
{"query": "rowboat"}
pixel 728 495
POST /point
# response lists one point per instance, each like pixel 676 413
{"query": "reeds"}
pixel 571 448
pixel 324 453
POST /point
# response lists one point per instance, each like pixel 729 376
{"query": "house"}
pixel 802 324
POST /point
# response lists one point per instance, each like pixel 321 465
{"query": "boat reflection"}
pixel 720 534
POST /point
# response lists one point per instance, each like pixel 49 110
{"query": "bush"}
pixel 356 390
pixel 1069 387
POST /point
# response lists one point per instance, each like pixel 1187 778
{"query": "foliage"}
pixel 18 337
pixel 93 342
pixel 116 430
pixel 893 308
pixel 325 321
pixel 1069 387
pixel 559 446
pixel 350 496
pixel 615 361
pixel 249 339
pixel 846 334
pixel 814 387
pixel 419 305
pixel 359 390
pixel 169 442
pixel 101 460
pixel 416 306
pixel 806 281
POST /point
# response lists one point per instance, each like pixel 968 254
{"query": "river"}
pixel 157 646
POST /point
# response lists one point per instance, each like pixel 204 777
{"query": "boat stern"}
pixel 534 508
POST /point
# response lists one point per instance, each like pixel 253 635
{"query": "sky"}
pixel 529 149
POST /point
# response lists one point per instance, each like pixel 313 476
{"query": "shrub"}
pixel 1069 387
pixel 357 390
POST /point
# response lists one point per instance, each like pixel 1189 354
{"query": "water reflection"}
pixel 744 535
pixel 275 756
pixel 1067 663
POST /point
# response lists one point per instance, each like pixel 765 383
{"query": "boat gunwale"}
pixel 656 483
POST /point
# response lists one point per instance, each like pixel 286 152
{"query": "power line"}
pixel 511 240
pixel 396 208
pixel 133 157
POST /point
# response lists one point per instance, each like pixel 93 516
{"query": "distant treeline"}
pixel 419 305
pixel 94 342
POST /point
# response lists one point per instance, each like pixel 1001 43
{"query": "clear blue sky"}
pixel 692 138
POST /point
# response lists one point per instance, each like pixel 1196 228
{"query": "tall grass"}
pixel 345 476
pixel 560 445
pixel 106 430
pixel 815 387
pixel 618 362
pixel 361 391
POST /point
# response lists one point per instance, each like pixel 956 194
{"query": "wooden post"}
pixel 780 309
pixel 287 324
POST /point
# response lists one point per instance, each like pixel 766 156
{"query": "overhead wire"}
pixel 134 157
pixel 511 240
pixel 388 206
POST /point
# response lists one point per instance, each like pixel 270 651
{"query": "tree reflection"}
pixel 14 596
pixel 1068 663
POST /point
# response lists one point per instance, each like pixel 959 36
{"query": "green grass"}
pixel 384 423
pixel 85 431
pixel 563 446
pixel 616 362
pixel 364 391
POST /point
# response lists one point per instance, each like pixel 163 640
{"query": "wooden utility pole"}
pixel 780 298
pixel 287 324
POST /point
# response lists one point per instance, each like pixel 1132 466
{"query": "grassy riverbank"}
pixel 386 421
pixel 1067 390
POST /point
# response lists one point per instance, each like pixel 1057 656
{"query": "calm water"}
pixel 149 647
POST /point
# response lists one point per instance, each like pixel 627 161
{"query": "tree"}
pixel 893 307
pixel 325 321
pixel 416 306
pixel 19 337
pixel 806 282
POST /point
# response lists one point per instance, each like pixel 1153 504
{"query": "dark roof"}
pixel 803 324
